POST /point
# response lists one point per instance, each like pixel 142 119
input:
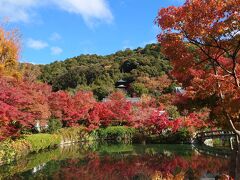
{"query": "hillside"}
pixel 144 67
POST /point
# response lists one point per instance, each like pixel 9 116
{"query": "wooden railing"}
pixel 214 134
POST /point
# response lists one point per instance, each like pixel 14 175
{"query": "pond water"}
pixel 118 161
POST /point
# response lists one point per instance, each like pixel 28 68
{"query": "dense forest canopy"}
pixel 141 66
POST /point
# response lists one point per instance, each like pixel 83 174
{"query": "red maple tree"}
pixel 202 40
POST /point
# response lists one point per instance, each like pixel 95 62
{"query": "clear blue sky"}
pixel 58 29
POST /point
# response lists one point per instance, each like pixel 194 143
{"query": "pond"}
pixel 121 161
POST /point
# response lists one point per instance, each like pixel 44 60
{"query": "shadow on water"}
pixel 123 161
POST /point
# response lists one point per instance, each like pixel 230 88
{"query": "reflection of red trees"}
pixel 151 166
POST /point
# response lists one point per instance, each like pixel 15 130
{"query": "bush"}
pixel 75 134
pixel 54 125
pixel 42 141
pixel 181 136
pixel 7 153
pixel 173 112
pixel 21 147
pixel 116 133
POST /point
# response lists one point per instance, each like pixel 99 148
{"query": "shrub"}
pixel 54 125
pixel 178 137
pixel 7 153
pixel 42 141
pixel 181 136
pixel 173 112
pixel 116 133
pixel 21 147
pixel 74 134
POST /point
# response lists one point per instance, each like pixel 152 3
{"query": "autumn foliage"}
pixel 202 40
pixel 23 104
pixel 9 52
pixel 26 103
pixel 154 166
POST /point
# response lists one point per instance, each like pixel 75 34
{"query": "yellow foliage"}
pixel 9 53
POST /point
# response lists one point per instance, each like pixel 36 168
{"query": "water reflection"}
pixel 113 162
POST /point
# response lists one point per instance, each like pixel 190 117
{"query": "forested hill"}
pixel 144 67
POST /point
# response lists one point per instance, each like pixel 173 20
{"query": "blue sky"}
pixel 58 29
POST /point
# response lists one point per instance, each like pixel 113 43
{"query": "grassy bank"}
pixel 12 150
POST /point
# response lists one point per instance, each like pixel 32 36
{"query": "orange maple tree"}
pixel 202 40
pixel 9 52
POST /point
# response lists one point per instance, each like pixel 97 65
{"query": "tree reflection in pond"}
pixel 134 162
pixel 143 167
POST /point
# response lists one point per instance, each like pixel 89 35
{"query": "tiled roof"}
pixel 132 100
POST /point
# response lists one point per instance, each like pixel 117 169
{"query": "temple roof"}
pixel 121 81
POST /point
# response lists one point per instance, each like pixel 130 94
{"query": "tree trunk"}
pixel 235 130
pixel 235 165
